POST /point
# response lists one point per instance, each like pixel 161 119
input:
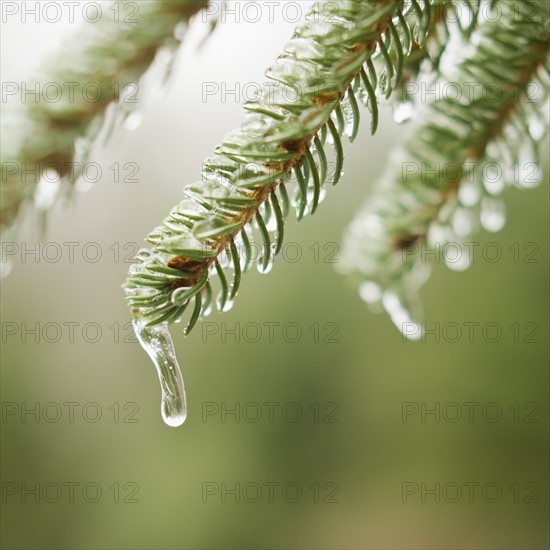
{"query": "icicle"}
pixel 157 342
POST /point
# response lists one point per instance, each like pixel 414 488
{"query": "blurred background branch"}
pixel 47 142
pixel 448 176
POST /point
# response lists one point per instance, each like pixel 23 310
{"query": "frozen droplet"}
pixel 161 71
pixel 264 269
pixel 494 187
pixel 527 154
pixel 493 215
pixel 142 255
pixel 438 235
pixel 134 269
pixel 311 195
pixel 82 148
pixel 128 95
pixel 296 203
pixel 348 120
pixel 370 292
pixel 228 306
pixel 47 189
pixel 180 30
pixel 457 257
pixel 410 329
pixel 403 112
pixel 133 121
pixel 537 128
pixel 469 194
pixel 142 292
pixel 401 316
pixel 493 179
pixel 158 344
pixel 271 224
pixel 529 173
pixel 462 222
pixel 178 297
pixel 383 83
pixel 371 224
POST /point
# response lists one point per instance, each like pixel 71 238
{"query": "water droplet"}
pixel 133 121
pixel 158 344
pixel 493 215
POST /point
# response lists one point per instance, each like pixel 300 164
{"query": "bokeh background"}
pixel 352 451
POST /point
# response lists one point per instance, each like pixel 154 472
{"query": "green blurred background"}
pixel 351 471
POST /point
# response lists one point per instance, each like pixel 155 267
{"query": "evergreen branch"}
pixel 451 20
pixel 435 192
pixel 56 136
pixel 326 66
